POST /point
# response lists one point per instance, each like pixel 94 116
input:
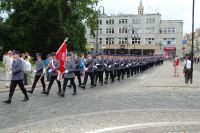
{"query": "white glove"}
pixel 86 69
pixel 10 72
pixel 109 66
pixel 50 71
pixel 34 71
pixel 97 64
pixel 66 71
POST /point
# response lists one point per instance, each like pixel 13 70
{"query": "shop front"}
pixel 169 52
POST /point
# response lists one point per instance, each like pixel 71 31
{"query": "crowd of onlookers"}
pixel 7 63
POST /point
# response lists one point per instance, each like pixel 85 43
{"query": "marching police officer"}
pixel 17 77
pixel 99 70
pixel 69 75
pixel 54 66
pixel 77 69
pixel 89 71
pixel 39 75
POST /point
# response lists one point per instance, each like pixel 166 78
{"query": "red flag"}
pixel 61 56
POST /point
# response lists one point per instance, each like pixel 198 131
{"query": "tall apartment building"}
pixel 138 34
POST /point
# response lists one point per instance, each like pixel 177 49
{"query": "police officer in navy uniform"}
pixel 77 69
pixel 99 70
pixel 109 70
pixel 89 71
pixel 69 75
pixel 38 73
pixel 17 77
pixel 54 66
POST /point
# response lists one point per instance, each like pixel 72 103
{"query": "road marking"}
pixel 145 125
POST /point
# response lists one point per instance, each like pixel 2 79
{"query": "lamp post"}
pixel 97 24
pixel 192 50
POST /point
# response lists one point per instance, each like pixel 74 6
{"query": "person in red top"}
pixel 176 66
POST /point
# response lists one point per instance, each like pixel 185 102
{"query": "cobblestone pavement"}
pixel 151 102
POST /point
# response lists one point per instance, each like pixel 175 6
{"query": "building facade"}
pixel 138 34
pixel 186 49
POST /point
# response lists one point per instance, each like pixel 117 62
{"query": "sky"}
pixel 169 9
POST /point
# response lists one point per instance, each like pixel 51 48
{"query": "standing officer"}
pixel 17 77
pixel 69 75
pixel 53 71
pixel 38 73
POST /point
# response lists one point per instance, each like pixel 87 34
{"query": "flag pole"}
pixel 50 62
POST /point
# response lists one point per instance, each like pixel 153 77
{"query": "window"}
pixel 100 40
pixel 123 30
pixel 110 31
pixel 109 40
pixel 110 21
pixel 150 29
pixel 123 21
pixel 100 30
pixel 173 30
pixel 100 21
pixel 136 40
pixel 136 30
pixel 169 41
pixel 137 21
pixel 149 40
pixel 150 20
pixel 169 30
pixel 123 40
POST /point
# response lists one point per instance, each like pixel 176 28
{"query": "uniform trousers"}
pixel 99 75
pixel 13 85
pixel 52 78
pixel 37 77
pixel 78 74
pixel 91 74
pixel 71 83
pixel 111 74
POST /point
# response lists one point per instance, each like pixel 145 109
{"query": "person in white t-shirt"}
pixel 187 70
pixel 7 61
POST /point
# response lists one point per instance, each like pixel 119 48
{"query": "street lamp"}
pixel 97 24
pixel 192 50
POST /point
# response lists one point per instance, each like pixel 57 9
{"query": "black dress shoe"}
pixel 30 91
pixel 69 86
pixel 74 94
pixel 25 99
pixel 83 87
pixel 79 85
pixel 43 92
pixel 7 101
pixel 58 93
pixel 62 95
pixel 46 93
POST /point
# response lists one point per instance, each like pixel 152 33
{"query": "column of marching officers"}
pixel 112 67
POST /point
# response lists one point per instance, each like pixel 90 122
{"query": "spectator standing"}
pixel 7 61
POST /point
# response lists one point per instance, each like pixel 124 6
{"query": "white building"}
pixel 138 34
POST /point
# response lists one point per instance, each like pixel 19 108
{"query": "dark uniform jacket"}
pixel 39 67
pixel 17 70
pixel 54 65
pixel 69 66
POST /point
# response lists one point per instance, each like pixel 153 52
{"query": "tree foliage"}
pixel 42 25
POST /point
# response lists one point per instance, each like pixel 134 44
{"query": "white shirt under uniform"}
pixel 187 64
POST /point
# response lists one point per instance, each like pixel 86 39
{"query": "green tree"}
pixel 42 25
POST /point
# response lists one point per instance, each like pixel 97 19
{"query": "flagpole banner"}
pixel 61 56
